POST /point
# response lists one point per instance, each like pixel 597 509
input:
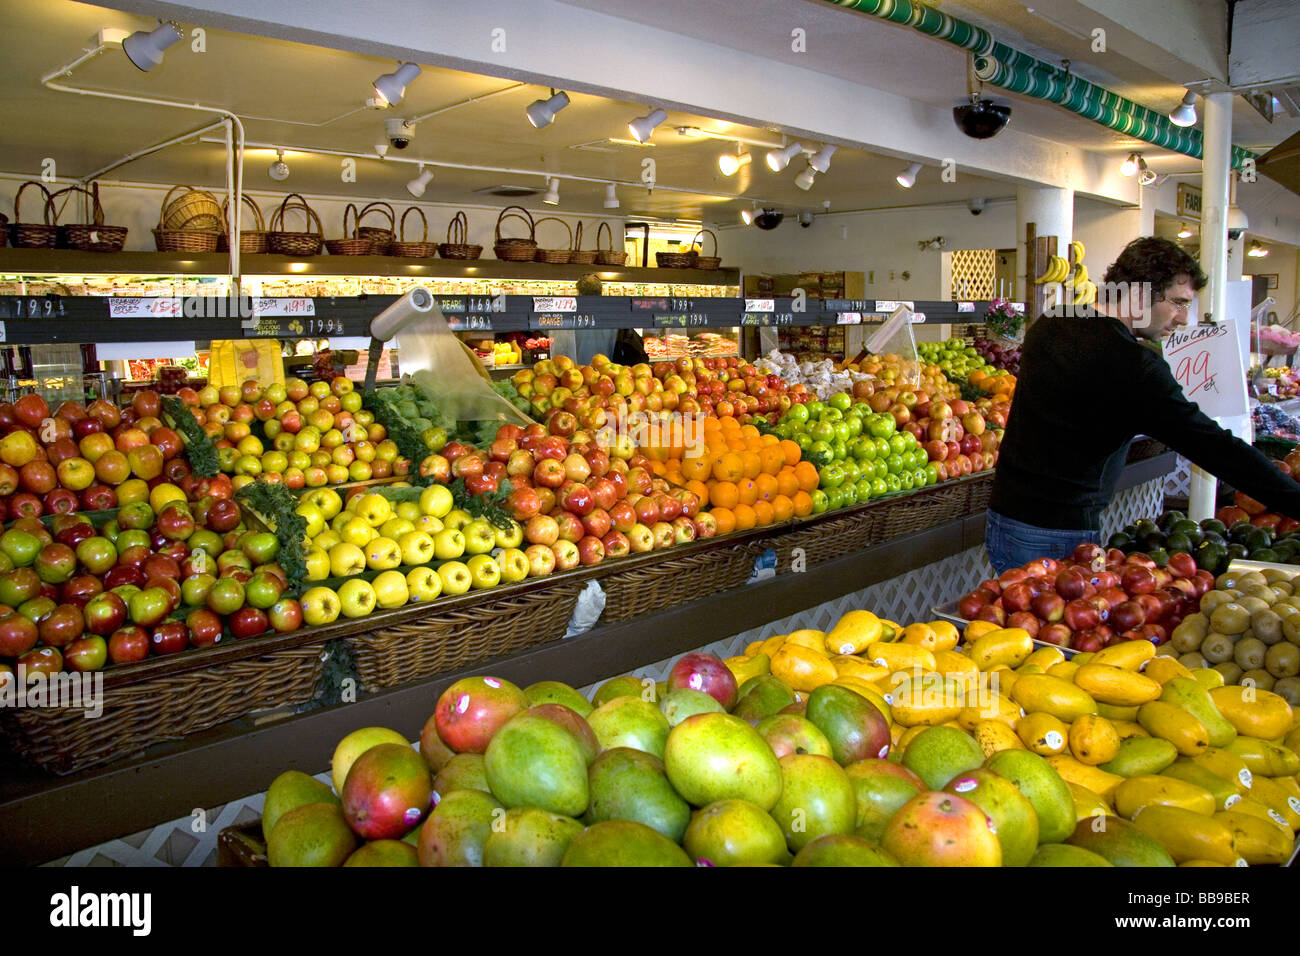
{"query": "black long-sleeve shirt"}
pixel 1087 387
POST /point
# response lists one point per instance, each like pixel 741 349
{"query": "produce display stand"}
pixel 43 817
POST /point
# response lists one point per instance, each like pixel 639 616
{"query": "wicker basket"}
pixel 676 260
pixel 463 636
pixel 194 209
pixel 252 242
pixel 295 243
pixel 979 491
pixel 458 245
pixel 135 716
pixel 706 262
pixel 555 257
pixel 35 235
pixel 424 249
pixel 353 245
pixel 91 236
pixel 677 580
pixel 608 257
pixel 380 238
pixel 516 250
pixel 580 256
pixel 920 510
pixel 832 538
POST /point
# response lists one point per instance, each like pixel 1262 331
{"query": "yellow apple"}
pixel 346 559
pixel 511 537
pixel 375 508
pixel 480 536
pixel 436 500
pixel 318 565
pixel 313 516
pixel 423 584
pixel 396 527
pixel 409 510
pixel 448 544
pixel 357 530
pixel 391 589
pixel 456 578
pixel 428 524
pixel 326 540
pixel 320 606
pixel 357 598
pixel 382 554
pixel 417 548
pixel 326 499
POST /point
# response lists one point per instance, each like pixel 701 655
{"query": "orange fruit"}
pixel 767 438
pixel 802 504
pixel 783 508
pixel 728 467
pixel 699 489
pixel 724 494
pixel 773 459
pixel 793 453
pixel 767 487
pixel 697 468
pixel 747 490
pixel 749 431
pixel 725 518
pixel 745 517
pixel 658 468
pixel 763 512
pixel 786 483
pixel 752 464
pixel 737 445
pixel 806 473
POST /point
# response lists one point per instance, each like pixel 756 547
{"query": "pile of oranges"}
pixel 746 479
pixel 1000 387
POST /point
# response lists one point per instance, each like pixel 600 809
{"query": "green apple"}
pixel 417 548
pixel 456 577
pixel 408 511
pixel 511 537
pixel 396 527
pixel 357 598
pixel 480 536
pixel 383 554
pixel 513 565
pixel 21 546
pixel 423 584
pixel 326 540
pixel 436 501
pixel 484 571
pixel 346 559
pixel 448 544
pixel 391 589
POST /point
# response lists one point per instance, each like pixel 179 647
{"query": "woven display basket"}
pixel 461 637
pixel 424 249
pixel 35 235
pixel 706 262
pixel 673 581
pixel 517 249
pixel 921 510
pixel 305 243
pixel 826 540
pixel 252 242
pixel 580 256
pixel 181 235
pixel 380 237
pixel 458 245
pixel 555 257
pixel 676 260
pixel 979 491
pixel 351 244
pixel 608 257
pixel 194 209
pixel 91 236
pixel 135 716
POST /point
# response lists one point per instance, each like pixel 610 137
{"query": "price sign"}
pixel 918 318
pixel 760 305
pixel 778 319
pixel 849 305
pixel 471 323
pixel 138 308
pixel 889 305
pixel 965 306
pixel 294 306
pixel 685 320
pixel 44 307
pixel 848 318
pixel 316 326
pixel 555 303
pixel 555 321
pixel 1206 361
pixel 451 305
pixel 650 305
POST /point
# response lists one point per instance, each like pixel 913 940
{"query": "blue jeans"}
pixel 1011 544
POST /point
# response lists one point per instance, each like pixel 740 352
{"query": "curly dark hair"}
pixel 1157 261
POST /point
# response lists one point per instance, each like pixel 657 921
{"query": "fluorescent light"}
pixel 542 112
pixel 279 170
pixel 1130 165
pixel 907 178
pixel 146 50
pixel 642 127
pixel 1185 232
pixel 552 197
pixel 1257 251
pixel 806 178
pixel 822 160
pixel 417 185
pixel 730 163
pixel 779 159
pixel 1184 114
pixel 1146 175
pixel 611 197
pixel 391 87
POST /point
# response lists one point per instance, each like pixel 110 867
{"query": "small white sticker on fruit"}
pixel 880 661
pixel 492 682
pixel 1278 818
pixel 1241 862
pixel 1054 739
pixel 696 681
pixel 965 784
pixel 846 648
pixel 462 703
pixel 884 752
pixel 1246 779
pixel 411 816
pixel 1293 803
pixel 1232 801
pixel 889 699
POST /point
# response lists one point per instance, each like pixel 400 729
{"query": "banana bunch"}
pixel 1058 270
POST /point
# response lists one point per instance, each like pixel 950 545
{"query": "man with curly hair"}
pixel 1090 381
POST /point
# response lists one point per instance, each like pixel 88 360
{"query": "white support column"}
pixel 1216 168
pixel 1146 212
pixel 1051 209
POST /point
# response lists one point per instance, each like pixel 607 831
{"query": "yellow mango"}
pixel 1253 711
pixel 747 666
pixel 1008 645
pixel 994 736
pixel 1064 670
pixel 1162 669
pixel 1187 835
pixel 1044 734
pixel 801 668
pixel 1116 712
pixel 1208 677
pixel 1082 658
pixel 1046 658
pixel 1095 779
pixel 929 700
pixel 753 647
pixel 1060 698
pixel 946 636
pixel 813 640
pixel 846 665
pixel 956 665
pixel 1164 720
pixel 1116 685
pixel 1127 729
pixel 1129 655
pixel 999 679
pixel 1152 789
pixel 1264 756
pixel 772 645
pixel 1276 799
pixel 900 656
pixel 922 635
pixel 1257 841
pixel 977 629
pixel 1093 740
pixel 1087 804
pixel 1228 766
pixel 989 707
pixel 853 632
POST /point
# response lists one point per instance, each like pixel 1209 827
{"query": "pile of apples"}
pixel 163 575
pixel 76 458
pixel 959 437
pixel 304 436
pixel 712 386
pixel 1092 599
pixel 1004 357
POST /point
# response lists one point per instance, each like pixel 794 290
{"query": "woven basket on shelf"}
pixel 351 244
pixel 252 242
pixel 516 249
pixel 458 245
pixel 677 580
pixel 555 257
pixel 173 234
pixel 706 262
pixel 608 257
pixel 676 260
pixel 135 716
pixel 461 637
pixel 91 236
pixel 830 539
pixel 580 256
pixel 921 510
pixel 35 235
pixel 304 243
pixel 380 237
pixel 424 249
pixel 194 209
pixel 979 491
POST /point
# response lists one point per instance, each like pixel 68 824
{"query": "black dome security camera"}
pixel 769 219
pixel 981 119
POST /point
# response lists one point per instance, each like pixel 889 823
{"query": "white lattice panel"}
pixel 1178 483
pixel 1146 500
pixel 973 272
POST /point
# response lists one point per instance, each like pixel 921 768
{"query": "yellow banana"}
pixel 1076 250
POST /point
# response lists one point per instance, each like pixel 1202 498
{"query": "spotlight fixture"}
pixel 821 160
pixel 1130 165
pixel 779 159
pixel 1237 222
pixel 730 163
pixel 1184 231
pixel 769 219
pixel 391 87
pixel 806 178
pixel 642 127
pixel 146 50
pixel 747 215
pixel 417 185
pixel 542 112
pixel 279 170
pixel 1146 175
pixel 611 197
pixel 1184 114
pixel 1256 251
pixel 907 178
pixel 552 197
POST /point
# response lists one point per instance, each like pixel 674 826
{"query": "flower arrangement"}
pixel 1004 319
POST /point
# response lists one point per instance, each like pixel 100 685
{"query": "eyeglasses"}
pixel 1182 305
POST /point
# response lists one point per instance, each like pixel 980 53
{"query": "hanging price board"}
pixel 1206 361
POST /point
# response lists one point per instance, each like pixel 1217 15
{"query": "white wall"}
pixel 1104 229
pixel 1282 262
